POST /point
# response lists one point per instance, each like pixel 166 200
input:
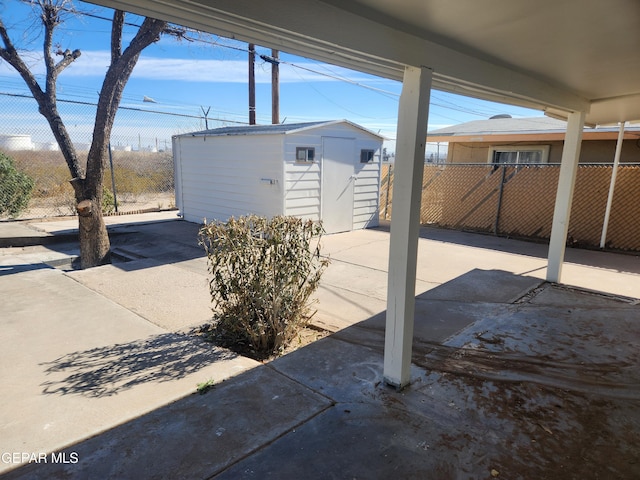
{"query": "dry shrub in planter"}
pixel 263 272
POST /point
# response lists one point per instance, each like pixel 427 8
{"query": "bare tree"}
pixel 87 180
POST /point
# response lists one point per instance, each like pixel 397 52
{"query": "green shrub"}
pixel 15 188
pixel 262 275
pixel 108 202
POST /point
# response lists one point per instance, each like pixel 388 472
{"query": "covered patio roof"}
pixel 575 59
pixel 555 56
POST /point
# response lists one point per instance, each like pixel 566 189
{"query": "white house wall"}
pixel 225 176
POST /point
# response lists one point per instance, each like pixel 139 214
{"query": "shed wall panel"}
pixel 366 194
pixel 230 176
pixel 302 177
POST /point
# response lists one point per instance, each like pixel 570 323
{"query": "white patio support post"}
pixel 612 184
pixel 405 224
pixel 564 196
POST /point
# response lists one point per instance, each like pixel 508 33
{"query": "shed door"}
pixel 338 169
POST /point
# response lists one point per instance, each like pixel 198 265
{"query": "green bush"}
pixel 108 202
pixel 262 275
pixel 15 188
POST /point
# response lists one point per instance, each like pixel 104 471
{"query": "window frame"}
pixel 543 149
pixel 306 151
pixel 370 152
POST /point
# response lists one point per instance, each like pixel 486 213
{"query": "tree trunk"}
pixel 87 184
pixel 94 239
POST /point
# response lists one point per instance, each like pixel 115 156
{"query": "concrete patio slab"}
pixel 372 283
pixel 512 378
pixel 499 399
pixel 337 309
pixel 142 286
pixel 488 286
pixel 14 234
pixel 195 437
pixel 74 363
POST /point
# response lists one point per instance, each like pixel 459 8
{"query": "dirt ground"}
pixel 305 336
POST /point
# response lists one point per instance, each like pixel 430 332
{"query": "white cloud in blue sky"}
pixel 94 63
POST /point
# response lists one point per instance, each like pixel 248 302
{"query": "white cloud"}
pixel 95 63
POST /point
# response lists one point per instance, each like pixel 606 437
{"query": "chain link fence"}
pixel 518 201
pixel 34 182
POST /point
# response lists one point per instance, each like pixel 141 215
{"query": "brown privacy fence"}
pixel 518 201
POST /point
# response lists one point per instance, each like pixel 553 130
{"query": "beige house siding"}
pixel 592 151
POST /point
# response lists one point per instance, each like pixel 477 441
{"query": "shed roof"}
pixel 278 129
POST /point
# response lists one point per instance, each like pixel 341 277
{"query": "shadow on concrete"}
pixel 627 262
pixel 532 381
pixel 108 370
pixel 165 241
pixel 19 268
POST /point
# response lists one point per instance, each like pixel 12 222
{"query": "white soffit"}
pixel 554 55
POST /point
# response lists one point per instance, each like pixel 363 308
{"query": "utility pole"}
pixel 275 88
pixel 252 84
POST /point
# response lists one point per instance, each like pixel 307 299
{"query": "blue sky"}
pixel 184 77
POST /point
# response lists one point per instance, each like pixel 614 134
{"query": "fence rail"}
pixel 518 201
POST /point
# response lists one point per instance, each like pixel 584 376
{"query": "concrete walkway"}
pixel 512 377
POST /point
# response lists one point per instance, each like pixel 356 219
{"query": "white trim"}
pixel 336 122
pixel 612 184
pixel 564 195
pixel 177 174
pixel 405 224
pixel 543 149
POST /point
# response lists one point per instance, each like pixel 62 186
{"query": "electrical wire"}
pixel 441 103
pixel 191 35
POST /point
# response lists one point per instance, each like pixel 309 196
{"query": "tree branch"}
pixel 67 59
pixel 148 33
pixel 116 35
pixel 46 101
pixel 50 20
pixel 111 93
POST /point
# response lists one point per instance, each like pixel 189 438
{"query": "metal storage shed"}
pixel 327 171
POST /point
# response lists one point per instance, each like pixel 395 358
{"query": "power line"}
pixel 267 58
pixel 133 109
pixel 191 35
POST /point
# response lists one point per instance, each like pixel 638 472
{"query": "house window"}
pixel 366 156
pixel 305 154
pixel 520 154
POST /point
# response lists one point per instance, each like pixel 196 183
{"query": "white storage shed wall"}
pixel 232 175
pixel 218 177
pixel 309 186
